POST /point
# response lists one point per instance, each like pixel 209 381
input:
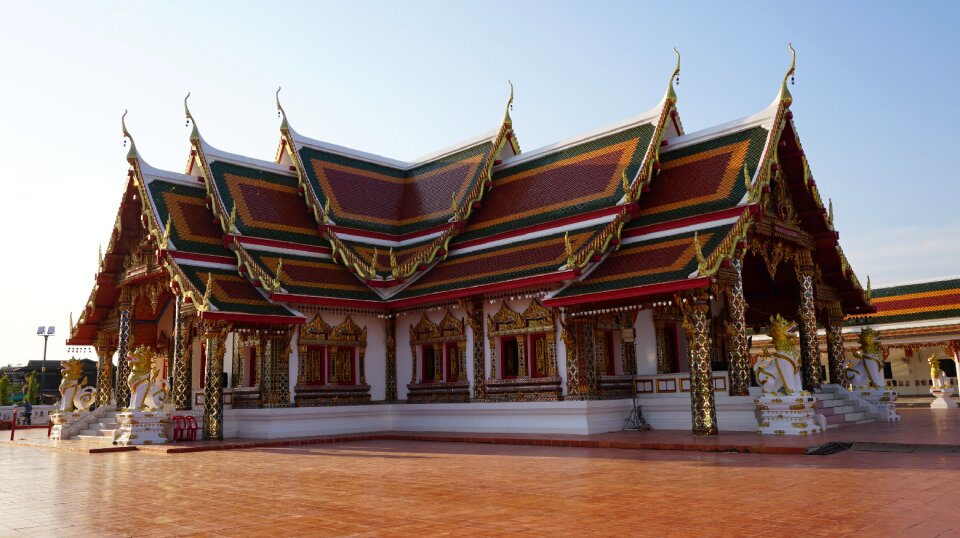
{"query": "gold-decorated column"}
pixel 739 354
pixel 106 347
pixel 810 348
pixel 121 389
pixel 216 337
pixel 696 325
pixel 183 355
pixel 475 320
pixel 391 363
pixel 835 358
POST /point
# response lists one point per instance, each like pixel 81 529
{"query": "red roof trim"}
pixel 613 210
pixel 328 301
pixel 550 278
pixel 690 221
pixel 212 258
pixel 252 318
pixel 630 293
pixel 257 241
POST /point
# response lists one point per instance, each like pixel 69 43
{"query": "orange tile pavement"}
pixel 411 488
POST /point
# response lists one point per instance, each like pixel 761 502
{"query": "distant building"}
pixel 51 383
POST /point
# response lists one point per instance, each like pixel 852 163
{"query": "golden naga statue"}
pixel 75 395
pixel 779 372
pixel 148 392
pixel 936 373
pixel 865 369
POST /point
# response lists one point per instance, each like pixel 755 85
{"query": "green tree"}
pixel 6 390
pixel 31 388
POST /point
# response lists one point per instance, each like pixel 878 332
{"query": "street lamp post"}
pixel 45 333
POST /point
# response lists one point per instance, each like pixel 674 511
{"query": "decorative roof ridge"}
pixel 594 250
pixel 916 282
pixel 219 155
pixel 150 174
pixel 647 117
pixel 763 118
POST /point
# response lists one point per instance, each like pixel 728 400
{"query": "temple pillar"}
pixel 696 325
pixel 579 339
pixel 182 356
pixel 276 368
pixel 121 389
pixel 739 364
pixel 835 359
pixel 475 320
pixel 521 357
pixel 391 363
pixel 664 365
pixel 106 347
pixel 215 334
pixel 437 362
pixel 809 347
pixel 266 379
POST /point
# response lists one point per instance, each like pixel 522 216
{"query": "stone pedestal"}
pixel 943 398
pixel 789 414
pixel 142 428
pixel 66 424
pixel 885 401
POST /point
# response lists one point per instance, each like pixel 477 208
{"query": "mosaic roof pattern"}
pixel 379 198
pixel 313 276
pixel 491 265
pixel 701 178
pixel 192 228
pixel 575 180
pixel 645 262
pixel 231 292
pixel 268 205
pixel 915 302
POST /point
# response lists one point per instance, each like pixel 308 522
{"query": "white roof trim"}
pixel 648 116
pixel 280 250
pixel 388 242
pixel 903 325
pixel 211 265
pixel 681 230
pixel 303 141
pixel 534 235
pixel 913 282
pixel 214 154
pixel 763 118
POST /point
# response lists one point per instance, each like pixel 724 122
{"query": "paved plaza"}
pixel 413 488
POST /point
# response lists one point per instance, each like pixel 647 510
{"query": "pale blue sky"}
pixel 874 104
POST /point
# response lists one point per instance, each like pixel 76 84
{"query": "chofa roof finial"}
pixel 675 77
pixel 133 147
pixel 506 113
pixel 785 95
pixel 195 134
pixel 281 113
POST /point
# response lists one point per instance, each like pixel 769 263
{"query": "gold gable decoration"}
pixel 450 329
pixel 319 332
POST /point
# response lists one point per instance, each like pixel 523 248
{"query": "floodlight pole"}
pixel 43 368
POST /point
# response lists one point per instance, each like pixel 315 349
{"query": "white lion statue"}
pixel 937 379
pixel 148 392
pixel 75 395
pixel 779 372
pixel 865 369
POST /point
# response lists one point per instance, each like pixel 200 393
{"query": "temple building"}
pixel 916 322
pixel 480 288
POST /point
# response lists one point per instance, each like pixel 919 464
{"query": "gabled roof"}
pixel 919 301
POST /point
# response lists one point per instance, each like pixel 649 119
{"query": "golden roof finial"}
pixel 208 292
pixel 453 206
pixel 374 262
pixel 869 288
pixel 71 322
pixel 568 248
pixel 830 213
pixel 165 241
pixel 326 211
pixel 278 275
pixel 232 223
pixel 281 113
pixel 132 153
pixel 195 133
pixel 698 251
pixel 100 256
pixel 675 77
pixel 785 97
pixel 506 113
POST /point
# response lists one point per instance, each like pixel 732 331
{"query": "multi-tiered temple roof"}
pixel 632 211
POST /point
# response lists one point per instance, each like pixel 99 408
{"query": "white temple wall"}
pixel 404 360
pixel 293 364
pixel 375 369
pixel 646 343
pixel 561 350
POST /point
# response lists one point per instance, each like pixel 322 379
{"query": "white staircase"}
pixel 103 430
pixel 839 407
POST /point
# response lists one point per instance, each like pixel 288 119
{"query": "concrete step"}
pixel 866 421
pixel 854 417
pixel 835 419
pixel 106 433
pixel 94 438
pixel 113 425
pixel 833 402
pixel 844 409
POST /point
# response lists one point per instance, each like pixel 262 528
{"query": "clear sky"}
pixel 874 104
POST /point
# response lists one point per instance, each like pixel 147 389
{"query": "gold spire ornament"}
pixel 195 133
pixel 326 211
pixel 165 241
pixel 373 262
pixel 785 97
pixel 207 293
pixel 281 113
pixel 869 288
pixel 132 153
pixel 830 211
pixel 100 256
pixel 453 206
pixel 568 248
pixel 278 276
pixel 675 77
pixel 506 113
pixel 698 251
pixel 232 222
pixel 394 270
